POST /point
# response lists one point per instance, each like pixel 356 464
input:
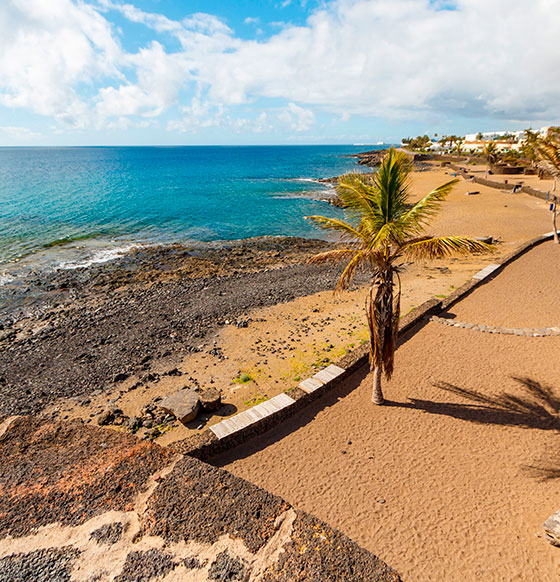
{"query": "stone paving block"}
pixel 252 415
pixel 486 271
pixel 329 373
pixel 310 385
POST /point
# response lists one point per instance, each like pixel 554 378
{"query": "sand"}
pixel 440 486
pixel 288 342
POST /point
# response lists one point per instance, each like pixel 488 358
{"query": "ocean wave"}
pixel 65 240
pixel 100 256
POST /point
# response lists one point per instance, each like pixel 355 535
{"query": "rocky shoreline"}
pixel 90 329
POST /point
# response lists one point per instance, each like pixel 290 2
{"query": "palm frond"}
pixel 415 219
pixel 344 229
pixel 334 256
pixel 392 183
pixel 360 258
pixel 360 199
pixel 427 247
pixel 548 150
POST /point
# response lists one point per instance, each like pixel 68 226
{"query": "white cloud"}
pixel 402 58
pixel 405 59
pixel 18 134
pixel 48 50
pixel 297 118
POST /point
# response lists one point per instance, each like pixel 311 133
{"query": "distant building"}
pixel 495 135
pixel 504 140
pixel 478 145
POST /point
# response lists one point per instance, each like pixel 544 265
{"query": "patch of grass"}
pixel 159 430
pixel 243 378
pixel 257 399
pixel 440 296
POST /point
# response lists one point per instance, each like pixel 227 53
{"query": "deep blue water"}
pixel 100 199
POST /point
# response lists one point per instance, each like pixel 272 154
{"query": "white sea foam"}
pixel 5 279
pixel 100 256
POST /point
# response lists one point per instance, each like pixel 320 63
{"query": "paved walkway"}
pixel 452 479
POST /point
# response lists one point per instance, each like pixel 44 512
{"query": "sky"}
pixel 201 72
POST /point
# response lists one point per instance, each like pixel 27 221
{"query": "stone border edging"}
pixel 520 331
pixel 247 424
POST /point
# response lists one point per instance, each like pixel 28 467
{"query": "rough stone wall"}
pixel 90 504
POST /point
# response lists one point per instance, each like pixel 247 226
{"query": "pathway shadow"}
pixel 538 406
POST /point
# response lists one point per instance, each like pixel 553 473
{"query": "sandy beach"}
pixel 253 308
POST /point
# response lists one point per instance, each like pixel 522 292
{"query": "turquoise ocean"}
pixel 70 207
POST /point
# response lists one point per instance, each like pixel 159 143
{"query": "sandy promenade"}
pixel 441 486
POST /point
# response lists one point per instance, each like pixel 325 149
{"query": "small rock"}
pixel 134 423
pixel 552 529
pixel 120 377
pixel 105 418
pixel 211 400
pixel 184 405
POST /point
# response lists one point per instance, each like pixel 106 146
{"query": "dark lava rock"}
pixel 192 563
pixel 101 328
pixel 221 503
pixel 333 557
pixel 108 534
pixel 211 400
pixel 52 565
pixel 105 418
pixel 120 377
pixel 226 568
pixel 83 472
pixel 144 566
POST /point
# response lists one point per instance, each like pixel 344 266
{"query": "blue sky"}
pixel 106 72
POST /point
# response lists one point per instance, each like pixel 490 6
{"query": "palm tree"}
pixel 548 152
pixel 383 231
pixel 491 153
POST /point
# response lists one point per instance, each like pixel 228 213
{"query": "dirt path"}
pixel 452 480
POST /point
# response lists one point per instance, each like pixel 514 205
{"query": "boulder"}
pixel 105 418
pixel 184 405
pixel 552 529
pixel 211 400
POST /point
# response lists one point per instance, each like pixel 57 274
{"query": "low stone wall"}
pixel 509 186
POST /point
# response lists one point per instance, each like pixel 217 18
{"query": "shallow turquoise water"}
pixel 104 198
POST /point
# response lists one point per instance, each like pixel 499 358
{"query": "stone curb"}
pixel 520 331
pixel 245 425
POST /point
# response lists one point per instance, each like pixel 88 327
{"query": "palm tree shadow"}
pixel 548 471
pixel 538 406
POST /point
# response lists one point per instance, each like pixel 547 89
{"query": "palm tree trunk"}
pixel 377 394
pixel 554 228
